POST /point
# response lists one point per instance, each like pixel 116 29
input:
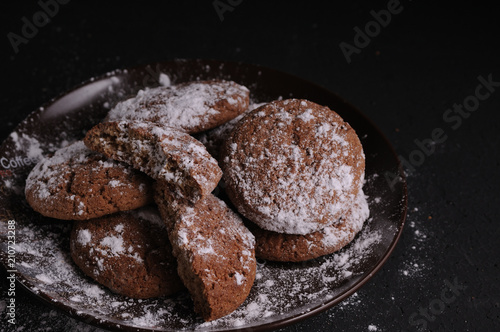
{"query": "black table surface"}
pixel 420 69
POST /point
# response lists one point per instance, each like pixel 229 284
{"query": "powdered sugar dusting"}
pixel 164 79
pixel 279 290
pixel 357 216
pixel 113 244
pixel 149 214
pixel 307 115
pixel 287 180
pixel 45 177
pixel 164 153
pixel 193 237
pixel 84 237
pixel 182 106
pixel 30 144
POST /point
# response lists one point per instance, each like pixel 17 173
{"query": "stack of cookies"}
pixel 295 169
pixel 139 188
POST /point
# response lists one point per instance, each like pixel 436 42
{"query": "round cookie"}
pixel 192 106
pixel 166 154
pixel 127 252
pixel 78 184
pixel 215 252
pixel 292 166
pixel 297 248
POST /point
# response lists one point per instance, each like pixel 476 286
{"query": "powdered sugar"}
pixel 44 278
pixel 239 278
pixel 29 144
pixel 149 214
pixel 278 292
pixel 356 218
pixel 115 183
pixel 307 115
pixel 84 237
pixel 113 245
pixel 192 234
pixel 182 106
pixel 164 79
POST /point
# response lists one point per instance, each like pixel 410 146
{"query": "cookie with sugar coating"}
pixel 192 106
pixel 297 248
pixel 128 252
pixel 215 252
pixel 78 184
pixel 291 166
pixel 166 154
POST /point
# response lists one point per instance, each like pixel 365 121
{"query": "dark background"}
pixel 427 59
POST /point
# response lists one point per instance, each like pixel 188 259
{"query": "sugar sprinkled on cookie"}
pixel 292 166
pixel 215 252
pixel 296 248
pixel 128 252
pixel 166 154
pixel 192 106
pixel 78 184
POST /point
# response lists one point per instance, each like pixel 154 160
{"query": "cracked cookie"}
pixel 78 184
pixel 166 154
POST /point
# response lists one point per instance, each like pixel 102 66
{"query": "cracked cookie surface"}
pixel 79 184
pixel 167 154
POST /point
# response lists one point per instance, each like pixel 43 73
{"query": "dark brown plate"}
pixel 282 294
